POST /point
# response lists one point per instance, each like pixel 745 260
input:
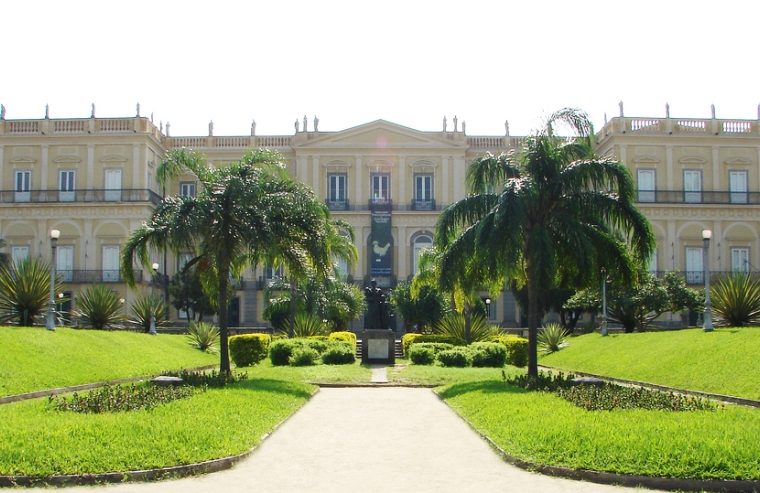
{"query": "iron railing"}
pixel 94 276
pixel 697 197
pixel 80 196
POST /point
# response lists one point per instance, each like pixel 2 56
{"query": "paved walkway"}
pixel 369 440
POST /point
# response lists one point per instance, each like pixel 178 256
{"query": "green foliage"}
pixel 552 338
pixel 550 382
pixel 488 354
pixel 25 290
pixel 211 378
pixel 407 340
pixel 345 336
pixel 277 313
pixel 736 300
pixel 187 294
pixel 422 311
pixel 517 349
pixel 99 307
pixel 116 398
pixel 421 354
pixel 303 356
pixel 339 353
pixel 280 351
pixel 453 325
pixel 458 357
pixel 146 306
pixel 249 349
pixel 413 338
pixel 306 325
pixel 607 397
pixel 203 336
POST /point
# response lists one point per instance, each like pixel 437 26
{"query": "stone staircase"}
pixel 398 350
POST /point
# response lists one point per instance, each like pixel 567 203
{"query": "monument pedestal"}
pixel 378 346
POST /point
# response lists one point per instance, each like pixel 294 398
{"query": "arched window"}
pixel 419 243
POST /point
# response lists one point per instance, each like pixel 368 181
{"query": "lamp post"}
pixel 604 301
pixel 152 330
pixel 50 323
pixel 488 308
pixel 706 235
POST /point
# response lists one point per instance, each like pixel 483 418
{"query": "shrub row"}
pixel 413 338
pixel 344 336
pixel 115 398
pixel 307 351
pixel 249 349
pixel 480 354
pixel 517 349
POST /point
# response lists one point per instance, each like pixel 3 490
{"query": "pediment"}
pixel 67 160
pixel 380 134
pixel 738 161
pixel 692 160
pixel 23 160
pixel 646 159
pixel 113 159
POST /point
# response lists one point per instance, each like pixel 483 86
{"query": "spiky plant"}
pixel 146 306
pixel 452 325
pixel 736 300
pixel 24 290
pixel 203 335
pixel 99 307
pixel 306 325
pixel 552 338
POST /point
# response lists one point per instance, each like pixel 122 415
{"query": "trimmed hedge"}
pixel 491 354
pixel 249 349
pixel 408 339
pixel 303 356
pixel 344 336
pixel 282 351
pixel 339 353
pixel 517 349
pixel 421 355
pixel 457 356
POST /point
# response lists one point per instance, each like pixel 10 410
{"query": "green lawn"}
pixel 724 361
pixel 37 440
pixel 406 373
pixel 36 359
pixel 347 374
pixel 542 428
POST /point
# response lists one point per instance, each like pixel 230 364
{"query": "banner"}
pixel 381 245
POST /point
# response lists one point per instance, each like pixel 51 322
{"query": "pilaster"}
pixel 90 166
pixel 402 171
pixel 2 165
pixel 45 151
pixel 136 167
pixel 445 172
pixel 316 183
pixel 669 167
pixel 358 197
pixel 716 184
pixel 459 178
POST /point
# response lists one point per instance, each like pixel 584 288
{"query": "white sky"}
pixel 351 62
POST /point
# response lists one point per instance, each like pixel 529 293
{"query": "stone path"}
pixel 379 374
pixel 370 440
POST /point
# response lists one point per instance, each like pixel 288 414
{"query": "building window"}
pixel 646 185
pixel 23 185
pixel 740 260
pixel 692 186
pixel 737 186
pixel 187 189
pixel 653 262
pixel 423 192
pixel 183 259
pixel 66 180
pixel 421 243
pixel 336 191
pixel 694 266
pixel 271 272
pixel 19 253
pixel 112 185
pixel 341 267
pixel 380 188
pixel 110 263
pixel 64 262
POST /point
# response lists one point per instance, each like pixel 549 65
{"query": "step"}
pixel 397 349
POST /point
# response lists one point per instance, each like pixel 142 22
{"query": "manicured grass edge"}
pixel 730 399
pixel 85 386
pixel 662 483
pixel 171 472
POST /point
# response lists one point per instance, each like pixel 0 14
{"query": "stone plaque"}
pixel 377 349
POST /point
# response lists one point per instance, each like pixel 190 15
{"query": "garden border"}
pixel 181 471
pixel 662 483
pixel 8 399
pixel 730 399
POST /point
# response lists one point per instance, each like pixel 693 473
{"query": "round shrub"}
pixel 344 336
pixel 248 349
pixel 437 347
pixel 317 343
pixel 458 357
pixel 491 354
pixel 280 351
pixel 517 349
pixel 338 353
pixel 303 356
pixel 407 340
pixel 421 355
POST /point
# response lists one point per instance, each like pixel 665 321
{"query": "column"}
pixel 301 162
pixel 359 196
pixel 316 183
pixel 44 167
pixel 136 166
pixel 672 245
pixel 445 171
pixel 403 198
pixel 669 168
pixel 459 178
pixel 623 154
pixel 90 166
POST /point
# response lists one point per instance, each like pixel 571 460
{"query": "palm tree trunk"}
pixel 224 363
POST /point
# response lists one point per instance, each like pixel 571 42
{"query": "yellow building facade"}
pixel 94 180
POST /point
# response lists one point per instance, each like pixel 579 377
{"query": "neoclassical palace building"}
pixel 94 180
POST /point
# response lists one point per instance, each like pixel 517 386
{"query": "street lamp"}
pixel 50 324
pixel 706 235
pixel 488 308
pixel 604 302
pixel 152 330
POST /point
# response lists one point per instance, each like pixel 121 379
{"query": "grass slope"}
pixel 39 441
pixel 543 428
pixel 723 361
pixel 407 373
pixel 32 358
pixel 346 374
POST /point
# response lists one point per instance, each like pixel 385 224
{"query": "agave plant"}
pixel 736 300
pixel 144 308
pixel 25 290
pixel 99 307
pixel 203 335
pixel 452 325
pixel 306 325
pixel 552 338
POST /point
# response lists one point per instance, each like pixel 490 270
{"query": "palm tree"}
pixel 550 214
pixel 241 213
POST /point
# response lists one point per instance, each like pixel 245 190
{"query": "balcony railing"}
pixel 697 197
pixel 697 277
pixel 680 126
pixel 94 276
pixel 79 196
pixel 337 205
pixel 423 205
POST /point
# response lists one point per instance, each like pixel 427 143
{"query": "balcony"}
pixel 696 278
pixel 423 205
pixel 79 196
pixel 338 205
pixel 94 276
pixel 380 205
pixel 696 197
